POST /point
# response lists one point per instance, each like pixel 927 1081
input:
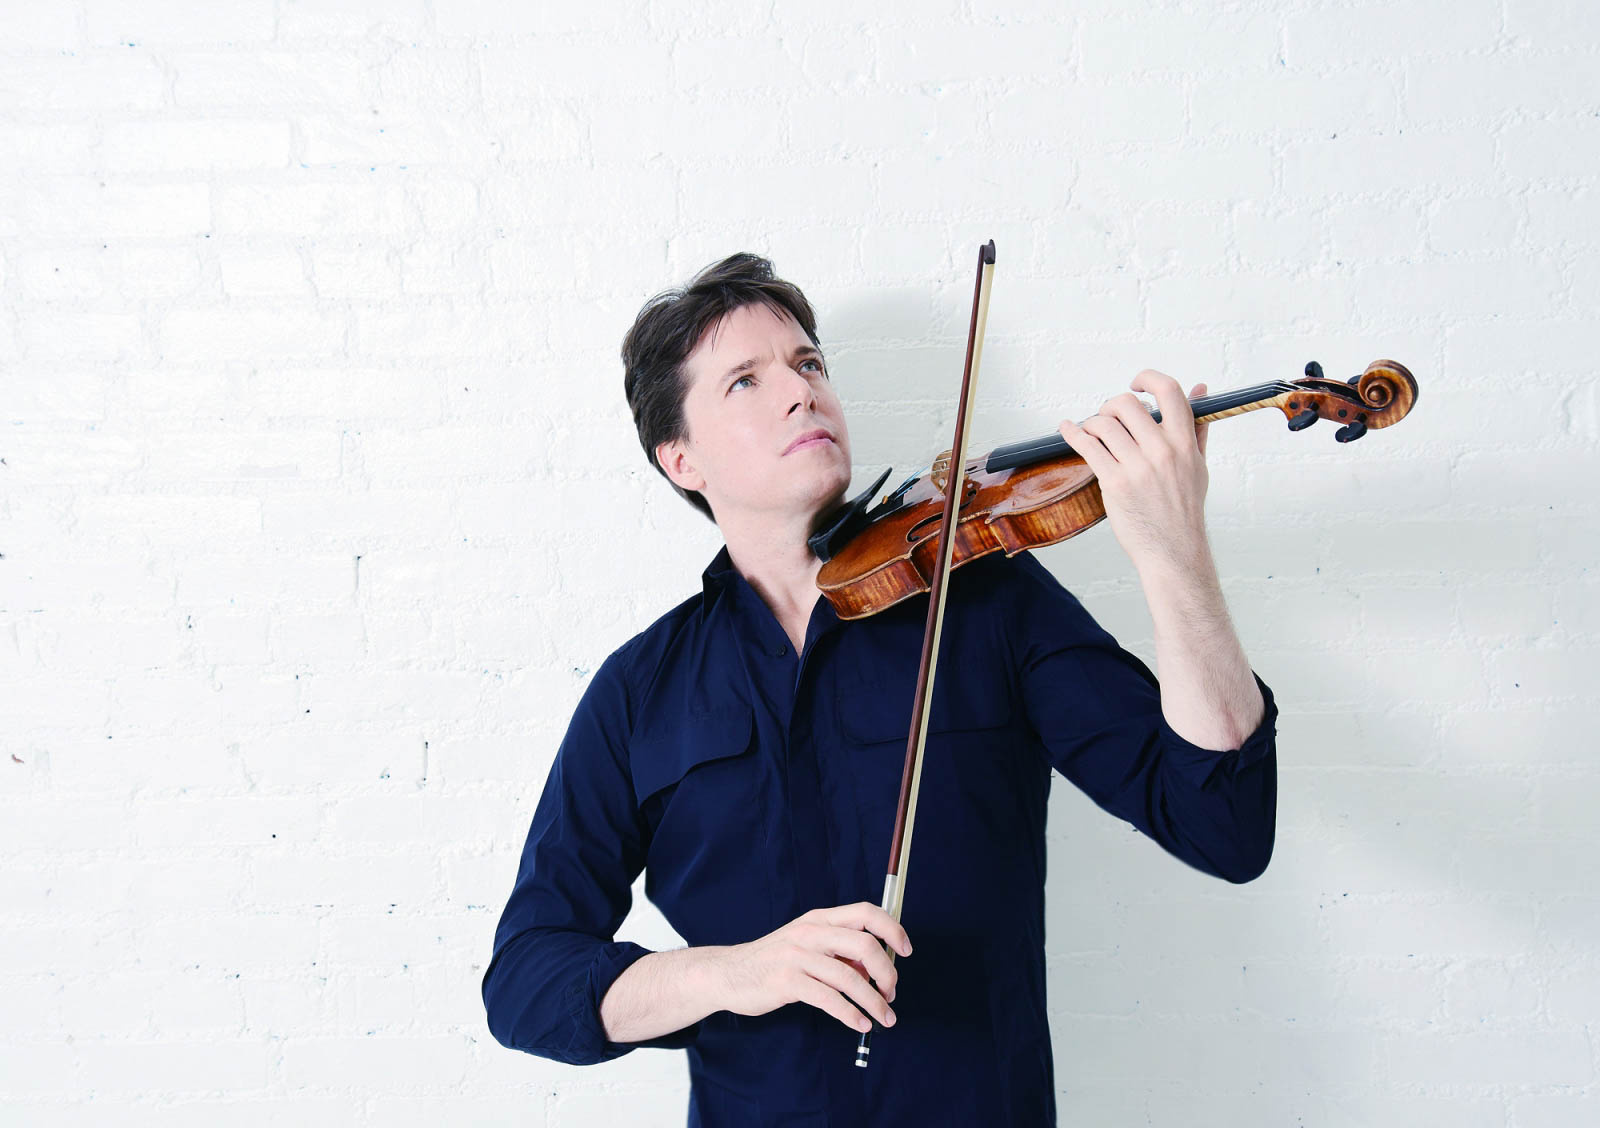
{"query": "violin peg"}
pixel 1304 419
pixel 1314 370
pixel 1350 432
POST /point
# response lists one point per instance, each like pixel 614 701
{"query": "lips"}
pixel 808 437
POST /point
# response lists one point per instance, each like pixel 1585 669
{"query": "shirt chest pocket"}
pixel 698 786
pixel 967 761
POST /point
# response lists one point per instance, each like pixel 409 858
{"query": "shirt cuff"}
pixel 1201 766
pixel 607 967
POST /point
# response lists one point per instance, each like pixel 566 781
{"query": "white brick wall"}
pixel 311 403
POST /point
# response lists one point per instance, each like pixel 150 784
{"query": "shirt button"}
pixel 780 652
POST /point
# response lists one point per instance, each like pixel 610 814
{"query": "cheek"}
pixel 836 413
pixel 745 450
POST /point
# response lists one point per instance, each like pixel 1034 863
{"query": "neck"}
pixel 771 553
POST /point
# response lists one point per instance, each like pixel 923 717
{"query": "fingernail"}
pixel 889 1021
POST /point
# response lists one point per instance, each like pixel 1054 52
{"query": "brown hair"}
pixel 666 331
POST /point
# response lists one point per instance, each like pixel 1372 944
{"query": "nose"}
pixel 799 392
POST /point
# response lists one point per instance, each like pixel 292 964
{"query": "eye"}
pixel 739 381
pixel 814 362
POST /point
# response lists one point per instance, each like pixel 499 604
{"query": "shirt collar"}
pixel 719 575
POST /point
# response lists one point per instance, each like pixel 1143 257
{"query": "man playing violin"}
pixel 744 752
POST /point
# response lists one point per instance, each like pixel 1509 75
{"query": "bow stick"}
pixel 911 777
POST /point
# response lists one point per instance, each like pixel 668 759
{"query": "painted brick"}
pixel 310 386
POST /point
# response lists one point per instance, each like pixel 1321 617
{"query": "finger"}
pixel 888 929
pixel 1168 392
pixel 814 992
pixel 1114 435
pixel 864 915
pixel 1088 448
pixel 857 964
pixel 851 984
pixel 1173 403
pixel 1135 418
pixel 867 953
pixel 1200 429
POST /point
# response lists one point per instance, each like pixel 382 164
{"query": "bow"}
pixel 911 777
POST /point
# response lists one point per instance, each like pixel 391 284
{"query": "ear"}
pixel 675 460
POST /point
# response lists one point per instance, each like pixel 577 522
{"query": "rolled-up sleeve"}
pixel 555 952
pixel 1097 710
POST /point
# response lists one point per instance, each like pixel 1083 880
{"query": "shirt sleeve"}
pixel 1097 710
pixel 555 950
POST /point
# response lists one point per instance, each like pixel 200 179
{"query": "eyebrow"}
pixel 806 351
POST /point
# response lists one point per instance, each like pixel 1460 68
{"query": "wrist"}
pixel 709 978
pixel 663 992
pixel 1181 563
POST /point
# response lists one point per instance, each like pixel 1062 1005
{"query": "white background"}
pixel 320 502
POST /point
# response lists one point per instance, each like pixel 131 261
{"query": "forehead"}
pixel 740 334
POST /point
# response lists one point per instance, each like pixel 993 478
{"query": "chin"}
pixel 835 477
pixel 829 493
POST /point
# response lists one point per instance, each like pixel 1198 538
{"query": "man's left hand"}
pixel 1152 475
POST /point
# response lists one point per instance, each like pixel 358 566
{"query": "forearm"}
pixel 663 992
pixel 1208 692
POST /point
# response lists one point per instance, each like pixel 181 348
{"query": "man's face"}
pixel 756 385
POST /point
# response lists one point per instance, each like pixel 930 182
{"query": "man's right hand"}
pixel 822 958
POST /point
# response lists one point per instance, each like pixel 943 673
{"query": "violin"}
pixel 1040 491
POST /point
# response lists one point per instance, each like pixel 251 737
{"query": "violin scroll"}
pixel 1381 396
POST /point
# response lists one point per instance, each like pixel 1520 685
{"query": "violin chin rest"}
pixel 845 522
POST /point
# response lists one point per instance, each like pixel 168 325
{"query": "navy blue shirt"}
pixel 751 784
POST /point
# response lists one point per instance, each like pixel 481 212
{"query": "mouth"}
pixel 807 440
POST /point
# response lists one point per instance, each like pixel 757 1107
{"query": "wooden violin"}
pixel 1040 491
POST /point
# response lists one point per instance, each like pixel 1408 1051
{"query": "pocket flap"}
pixel 662 759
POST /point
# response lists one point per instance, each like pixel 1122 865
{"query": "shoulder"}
pixel 1018 581
pixel 685 663
pixel 618 693
pixel 1029 598
pixel 634 666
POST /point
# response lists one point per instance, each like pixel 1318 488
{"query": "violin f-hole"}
pixel 915 532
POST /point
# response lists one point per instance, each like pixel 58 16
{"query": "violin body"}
pixel 892 559
pixel 1034 494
